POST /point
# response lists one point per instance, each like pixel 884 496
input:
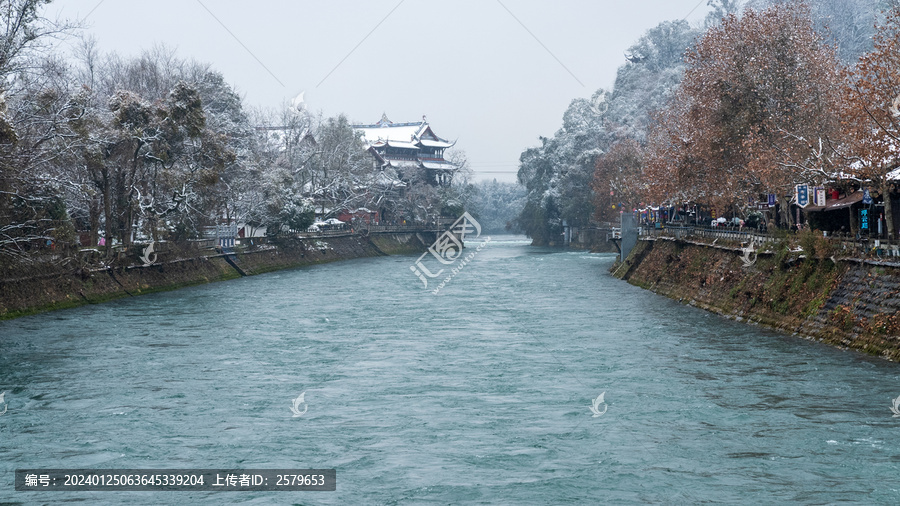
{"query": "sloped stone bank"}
pixel 403 244
pixel 70 288
pixel 845 302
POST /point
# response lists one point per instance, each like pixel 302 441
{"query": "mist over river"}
pixel 478 394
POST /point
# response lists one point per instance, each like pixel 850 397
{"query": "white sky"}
pixel 469 65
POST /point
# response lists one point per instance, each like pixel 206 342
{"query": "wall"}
pixel 59 288
pixel 592 239
pixel 403 244
pixel 845 302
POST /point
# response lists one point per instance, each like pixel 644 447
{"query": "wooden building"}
pixel 409 148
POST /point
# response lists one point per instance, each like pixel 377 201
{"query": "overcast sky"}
pixel 493 74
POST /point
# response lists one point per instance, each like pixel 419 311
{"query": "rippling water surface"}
pixel 479 394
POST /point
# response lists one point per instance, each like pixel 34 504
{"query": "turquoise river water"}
pixel 480 394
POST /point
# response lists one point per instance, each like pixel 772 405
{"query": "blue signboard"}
pixel 802 195
pixel 771 200
pixel 864 219
pixel 867 199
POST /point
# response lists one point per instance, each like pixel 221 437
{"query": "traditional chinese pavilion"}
pixel 407 147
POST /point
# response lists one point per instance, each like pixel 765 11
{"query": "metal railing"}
pixel 742 235
pixel 325 233
pixel 842 245
pixel 427 227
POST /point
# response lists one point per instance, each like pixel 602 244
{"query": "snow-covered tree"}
pixel 497 205
pixel 34 110
pixel 341 168
pixel 719 9
pixel 558 174
pixel 848 25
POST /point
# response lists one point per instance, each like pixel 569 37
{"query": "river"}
pixel 478 394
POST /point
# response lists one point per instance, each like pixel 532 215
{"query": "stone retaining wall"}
pixel 62 288
pixel 845 302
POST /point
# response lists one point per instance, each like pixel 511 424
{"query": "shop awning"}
pixel 844 202
pixel 834 205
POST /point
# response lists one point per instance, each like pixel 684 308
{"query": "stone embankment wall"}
pixel 846 302
pixel 62 288
pixel 403 244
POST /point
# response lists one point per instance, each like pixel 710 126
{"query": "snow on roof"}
pixel 386 130
pixel 438 165
pixel 384 180
pixel 402 144
pixel 403 163
pixel 404 132
pixel 436 144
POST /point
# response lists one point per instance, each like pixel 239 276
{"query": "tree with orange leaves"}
pixel 618 181
pixel 872 113
pixel 754 113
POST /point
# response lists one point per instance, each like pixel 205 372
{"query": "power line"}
pixel 692 10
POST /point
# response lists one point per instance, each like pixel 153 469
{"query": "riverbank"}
pixel 846 302
pixel 59 288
